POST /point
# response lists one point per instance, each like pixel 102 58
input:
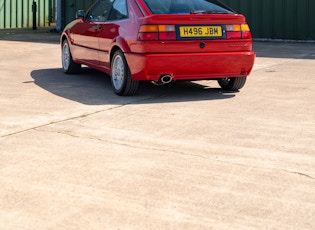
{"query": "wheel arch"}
pixel 63 37
pixel 112 52
pixel 119 44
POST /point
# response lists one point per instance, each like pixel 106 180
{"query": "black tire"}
pixel 233 83
pixel 122 82
pixel 68 65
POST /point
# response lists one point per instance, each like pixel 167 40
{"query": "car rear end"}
pixel 190 40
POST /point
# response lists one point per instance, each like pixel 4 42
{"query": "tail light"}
pixel 168 32
pixel 157 32
pixel 238 31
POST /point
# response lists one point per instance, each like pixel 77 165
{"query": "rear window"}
pixel 187 7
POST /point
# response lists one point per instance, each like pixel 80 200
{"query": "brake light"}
pixel 157 32
pixel 238 31
pixel 246 31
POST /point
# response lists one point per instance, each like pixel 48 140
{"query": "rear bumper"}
pixel 191 66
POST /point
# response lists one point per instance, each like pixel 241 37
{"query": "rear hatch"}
pixel 192 26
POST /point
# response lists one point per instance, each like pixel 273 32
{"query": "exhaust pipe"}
pixel 164 79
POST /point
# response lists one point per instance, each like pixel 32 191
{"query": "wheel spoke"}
pixel 118 72
pixel 66 56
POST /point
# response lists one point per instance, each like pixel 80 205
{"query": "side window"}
pixel 100 12
pixel 119 10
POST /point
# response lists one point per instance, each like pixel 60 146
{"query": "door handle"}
pixel 97 27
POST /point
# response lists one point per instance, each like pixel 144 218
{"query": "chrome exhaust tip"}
pixel 167 78
pixel 164 79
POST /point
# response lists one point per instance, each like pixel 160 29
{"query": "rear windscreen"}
pixel 187 7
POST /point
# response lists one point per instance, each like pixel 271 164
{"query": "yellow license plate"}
pixel 200 31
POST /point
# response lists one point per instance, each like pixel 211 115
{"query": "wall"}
pixel 18 13
pixel 278 19
pixel 70 8
pixel 275 19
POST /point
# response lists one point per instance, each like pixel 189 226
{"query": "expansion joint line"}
pixel 60 121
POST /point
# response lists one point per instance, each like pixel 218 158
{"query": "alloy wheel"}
pixel 118 72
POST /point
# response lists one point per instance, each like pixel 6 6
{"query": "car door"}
pixel 86 32
pixel 110 30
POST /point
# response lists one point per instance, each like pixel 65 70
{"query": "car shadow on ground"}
pixel 91 87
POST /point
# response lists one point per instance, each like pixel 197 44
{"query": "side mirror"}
pixel 80 14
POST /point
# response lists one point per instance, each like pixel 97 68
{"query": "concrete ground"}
pixel 73 155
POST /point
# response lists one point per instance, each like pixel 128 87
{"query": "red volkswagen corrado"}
pixel 160 41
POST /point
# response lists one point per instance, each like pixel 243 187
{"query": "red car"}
pixel 160 41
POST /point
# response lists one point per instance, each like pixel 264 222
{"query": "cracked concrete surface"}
pixel 73 155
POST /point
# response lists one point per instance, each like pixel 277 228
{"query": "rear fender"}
pixel 119 43
pixel 122 44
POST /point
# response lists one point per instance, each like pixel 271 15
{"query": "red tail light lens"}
pixel 233 35
pixel 148 36
pixel 246 34
pixel 167 36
